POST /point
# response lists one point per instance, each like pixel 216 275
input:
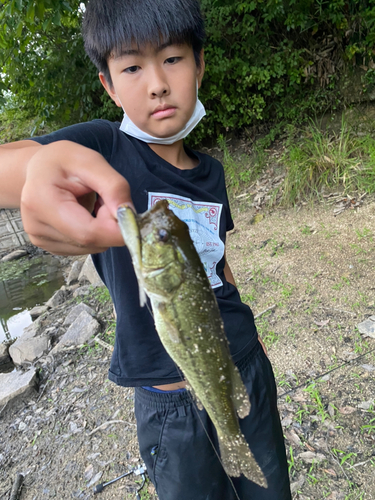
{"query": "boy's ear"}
pixel 110 89
pixel 200 69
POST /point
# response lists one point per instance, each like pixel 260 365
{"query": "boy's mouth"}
pixel 163 111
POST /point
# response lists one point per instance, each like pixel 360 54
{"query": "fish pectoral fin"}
pixel 166 321
pixel 240 396
pixel 238 459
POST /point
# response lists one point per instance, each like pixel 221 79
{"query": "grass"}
pixel 243 170
pixel 314 160
pixel 329 159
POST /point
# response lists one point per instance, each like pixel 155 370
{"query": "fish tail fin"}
pixel 237 459
pixel 240 396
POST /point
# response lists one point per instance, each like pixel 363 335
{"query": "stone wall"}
pixel 12 234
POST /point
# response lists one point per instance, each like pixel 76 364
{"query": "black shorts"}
pixel 180 458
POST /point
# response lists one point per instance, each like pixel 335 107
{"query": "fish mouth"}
pixel 152 273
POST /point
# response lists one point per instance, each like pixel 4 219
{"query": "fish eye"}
pixel 163 235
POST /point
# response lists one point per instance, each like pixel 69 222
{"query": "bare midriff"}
pixel 171 387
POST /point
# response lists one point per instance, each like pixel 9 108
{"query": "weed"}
pixel 343 281
pixel 287 290
pixel 270 339
pixel 242 170
pixel 248 297
pixel 369 428
pixel 364 233
pixel 328 159
pixel 301 413
pixel 344 457
pixel 318 405
pixel 110 333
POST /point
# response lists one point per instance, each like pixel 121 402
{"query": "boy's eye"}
pixel 131 69
pixel 172 60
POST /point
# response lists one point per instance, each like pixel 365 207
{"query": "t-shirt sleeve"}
pixel 97 135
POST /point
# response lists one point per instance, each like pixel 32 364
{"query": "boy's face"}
pixel 156 86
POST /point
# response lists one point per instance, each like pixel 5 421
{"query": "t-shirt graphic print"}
pixel 203 220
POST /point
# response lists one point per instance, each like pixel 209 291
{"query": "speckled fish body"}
pixel 188 321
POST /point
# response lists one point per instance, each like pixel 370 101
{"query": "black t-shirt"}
pixel 198 196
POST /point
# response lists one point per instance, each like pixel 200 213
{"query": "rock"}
pixel 76 311
pixel 57 298
pixel 367 327
pixel 28 349
pixel 297 485
pixel 82 291
pixel 79 332
pixel 89 273
pixel 310 457
pixel 95 479
pixel 74 272
pixel 17 254
pixel 38 311
pixel 368 368
pixel 16 384
pixel 30 331
pixel 366 405
pixel 4 355
pixel 71 288
pixel 293 437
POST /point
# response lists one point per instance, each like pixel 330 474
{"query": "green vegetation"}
pixel 328 159
pixel 15 268
pixel 268 61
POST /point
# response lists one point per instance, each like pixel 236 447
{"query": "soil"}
pixel 313 274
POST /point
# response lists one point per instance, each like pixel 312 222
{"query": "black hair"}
pixel 109 26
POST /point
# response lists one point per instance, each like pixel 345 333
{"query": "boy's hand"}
pixel 59 195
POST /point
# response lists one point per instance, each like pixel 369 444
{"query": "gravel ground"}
pixel 314 274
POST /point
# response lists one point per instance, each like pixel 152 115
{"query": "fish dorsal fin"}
pixel 127 220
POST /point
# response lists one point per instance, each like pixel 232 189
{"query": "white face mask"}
pixel 130 128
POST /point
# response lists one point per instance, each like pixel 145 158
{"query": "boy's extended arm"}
pixel 13 160
pixel 52 184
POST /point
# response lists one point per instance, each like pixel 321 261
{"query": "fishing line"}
pixel 195 406
pixel 326 373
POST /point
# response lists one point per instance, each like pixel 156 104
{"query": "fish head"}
pixel 165 239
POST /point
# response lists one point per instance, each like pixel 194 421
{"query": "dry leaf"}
pixel 331 472
pixel 293 437
pixel 346 410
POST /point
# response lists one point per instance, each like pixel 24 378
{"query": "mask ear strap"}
pixel 121 105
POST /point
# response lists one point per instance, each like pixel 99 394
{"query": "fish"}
pixel 188 321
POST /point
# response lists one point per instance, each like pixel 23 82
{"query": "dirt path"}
pixel 316 273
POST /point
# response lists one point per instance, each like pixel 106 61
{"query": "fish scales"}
pixel 188 321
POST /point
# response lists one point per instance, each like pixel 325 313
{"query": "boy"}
pixel 150 60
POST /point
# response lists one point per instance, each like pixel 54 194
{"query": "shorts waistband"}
pixel 163 400
pixel 168 400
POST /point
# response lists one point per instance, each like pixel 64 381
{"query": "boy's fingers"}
pixel 60 214
pixel 88 231
pixel 74 226
pixel 112 187
pixel 62 248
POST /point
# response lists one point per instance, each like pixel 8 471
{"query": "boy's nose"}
pixel 158 86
